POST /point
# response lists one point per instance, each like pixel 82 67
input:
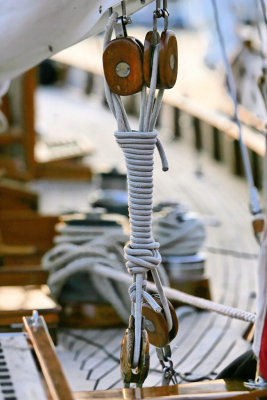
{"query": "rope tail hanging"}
pixel 142 251
pixel 255 208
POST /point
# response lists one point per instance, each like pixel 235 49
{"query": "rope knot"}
pixel 145 295
pixel 141 260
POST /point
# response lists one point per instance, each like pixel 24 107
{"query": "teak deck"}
pixel 206 342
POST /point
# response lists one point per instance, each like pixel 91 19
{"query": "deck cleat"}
pixel 130 374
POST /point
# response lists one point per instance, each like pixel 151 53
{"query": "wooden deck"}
pixel 206 342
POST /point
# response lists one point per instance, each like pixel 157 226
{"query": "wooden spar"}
pixel 58 387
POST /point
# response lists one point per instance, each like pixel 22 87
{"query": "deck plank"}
pixel 19 373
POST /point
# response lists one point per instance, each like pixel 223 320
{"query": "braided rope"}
pixel 142 253
pixel 209 305
pixel 68 258
pixel 174 294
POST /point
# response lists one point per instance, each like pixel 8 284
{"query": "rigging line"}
pixel 180 296
pixel 264 12
pixel 254 201
pixel 263 77
pixel 260 36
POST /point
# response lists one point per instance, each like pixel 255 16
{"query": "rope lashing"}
pixel 141 252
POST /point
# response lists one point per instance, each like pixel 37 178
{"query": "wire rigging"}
pixel 254 199
pixel 264 11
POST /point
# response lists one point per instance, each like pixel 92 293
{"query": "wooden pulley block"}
pixel 173 332
pixel 123 66
pixel 128 374
pixel 168 59
pixel 149 46
pixel 126 356
pixel 156 324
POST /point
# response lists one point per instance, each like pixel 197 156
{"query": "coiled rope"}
pixel 100 252
pixel 86 254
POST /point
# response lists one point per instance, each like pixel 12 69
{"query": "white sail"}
pixel 32 31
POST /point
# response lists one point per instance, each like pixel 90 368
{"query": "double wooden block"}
pixel 128 64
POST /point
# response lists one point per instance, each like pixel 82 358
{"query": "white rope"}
pixel 178 231
pixel 97 261
pixel 152 91
pixel 174 294
pixel 77 234
pixel 141 252
pixel 142 109
pixel 67 259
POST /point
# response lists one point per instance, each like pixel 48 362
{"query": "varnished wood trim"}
pixel 43 346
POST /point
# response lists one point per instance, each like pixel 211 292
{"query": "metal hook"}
pixel 125 20
pixel 169 373
pixel 165 14
pixel 158 9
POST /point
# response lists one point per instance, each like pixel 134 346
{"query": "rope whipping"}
pixel 141 252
